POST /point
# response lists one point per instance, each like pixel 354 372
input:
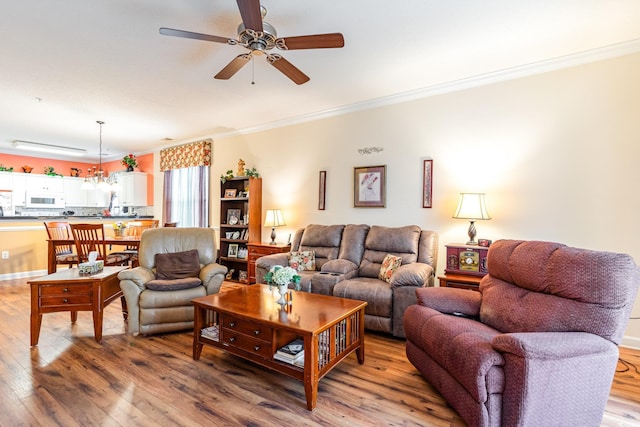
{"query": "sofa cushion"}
pixel 376 292
pixel 389 266
pixel 173 284
pixel 302 260
pixel 324 240
pixel 177 265
pixel 399 241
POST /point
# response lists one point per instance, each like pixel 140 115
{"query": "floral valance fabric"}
pixel 186 155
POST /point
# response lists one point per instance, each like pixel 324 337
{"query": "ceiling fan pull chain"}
pixel 253 69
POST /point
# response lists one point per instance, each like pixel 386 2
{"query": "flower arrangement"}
pixel 118 228
pixel 279 275
pixel 130 161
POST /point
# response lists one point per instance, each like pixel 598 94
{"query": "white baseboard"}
pixel 630 342
pixel 23 274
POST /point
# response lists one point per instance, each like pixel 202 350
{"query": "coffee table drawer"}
pixel 246 343
pixel 65 289
pixel 247 328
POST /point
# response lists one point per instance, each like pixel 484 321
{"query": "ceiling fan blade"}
pixel 317 41
pixel 288 69
pixel 251 14
pixel 197 36
pixel 233 66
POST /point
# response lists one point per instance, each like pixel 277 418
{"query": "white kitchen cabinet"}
pixel 19 189
pixel 133 191
pixel 44 184
pixel 5 181
pixel 98 198
pixel 75 196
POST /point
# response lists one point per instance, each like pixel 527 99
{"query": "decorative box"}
pixel 91 267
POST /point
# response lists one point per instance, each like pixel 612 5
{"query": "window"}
pixel 186 196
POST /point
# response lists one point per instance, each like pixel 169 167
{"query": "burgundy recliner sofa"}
pixel 537 346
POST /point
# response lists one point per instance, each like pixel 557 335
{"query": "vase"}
pixel 282 290
pixel 129 168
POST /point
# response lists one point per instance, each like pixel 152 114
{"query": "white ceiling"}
pixel 67 63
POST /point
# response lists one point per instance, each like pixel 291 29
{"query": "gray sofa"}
pixel 348 260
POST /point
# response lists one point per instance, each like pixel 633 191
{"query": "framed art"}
pixel 230 193
pixel 369 186
pixel 233 251
pixel 233 216
pixel 427 182
pixel 322 188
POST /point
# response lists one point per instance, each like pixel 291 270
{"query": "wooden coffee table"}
pixel 250 324
pixel 67 290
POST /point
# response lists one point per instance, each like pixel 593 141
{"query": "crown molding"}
pixel 567 61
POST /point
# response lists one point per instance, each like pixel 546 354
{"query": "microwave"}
pixel 44 200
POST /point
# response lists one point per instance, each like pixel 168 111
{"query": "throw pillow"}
pixel 177 265
pixel 389 265
pixel 173 285
pixel 303 260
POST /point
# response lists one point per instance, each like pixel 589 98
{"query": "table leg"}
pixel 51 257
pixel 125 310
pixel 360 349
pixel 198 316
pixel 36 323
pixel 74 316
pixel 311 370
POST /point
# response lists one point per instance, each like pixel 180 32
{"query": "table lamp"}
pixel 472 207
pixel 273 219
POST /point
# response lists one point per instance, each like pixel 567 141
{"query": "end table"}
pixel 257 250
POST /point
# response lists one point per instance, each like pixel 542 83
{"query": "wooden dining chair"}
pixel 170 224
pixel 90 237
pixel 59 230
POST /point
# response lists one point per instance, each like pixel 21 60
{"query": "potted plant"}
pixel 130 162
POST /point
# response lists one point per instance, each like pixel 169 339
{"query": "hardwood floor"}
pixel 70 380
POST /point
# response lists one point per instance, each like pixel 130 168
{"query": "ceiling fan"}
pixel 259 37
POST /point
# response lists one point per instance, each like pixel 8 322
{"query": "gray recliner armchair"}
pixel 176 265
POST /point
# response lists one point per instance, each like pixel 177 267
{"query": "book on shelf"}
pixel 297 361
pixel 292 350
pixel 211 332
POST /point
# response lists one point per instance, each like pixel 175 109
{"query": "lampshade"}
pixel 472 206
pixel 274 218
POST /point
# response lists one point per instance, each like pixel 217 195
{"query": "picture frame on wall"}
pixel 427 183
pixel 369 186
pixel 232 252
pixel 322 188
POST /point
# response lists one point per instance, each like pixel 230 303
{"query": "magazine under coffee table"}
pixel 248 322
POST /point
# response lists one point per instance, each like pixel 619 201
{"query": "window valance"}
pixel 186 155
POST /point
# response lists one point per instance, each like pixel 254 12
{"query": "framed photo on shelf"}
pixel 233 216
pixel 233 251
pixel 243 253
pixel 230 193
pixel 322 188
pixel 242 275
pixel 369 186
pixel 427 183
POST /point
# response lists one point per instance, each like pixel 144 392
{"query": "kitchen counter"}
pixel 73 217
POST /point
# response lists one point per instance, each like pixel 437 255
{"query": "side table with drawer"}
pixel 257 250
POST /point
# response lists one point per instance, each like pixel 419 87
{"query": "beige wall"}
pixel 556 154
